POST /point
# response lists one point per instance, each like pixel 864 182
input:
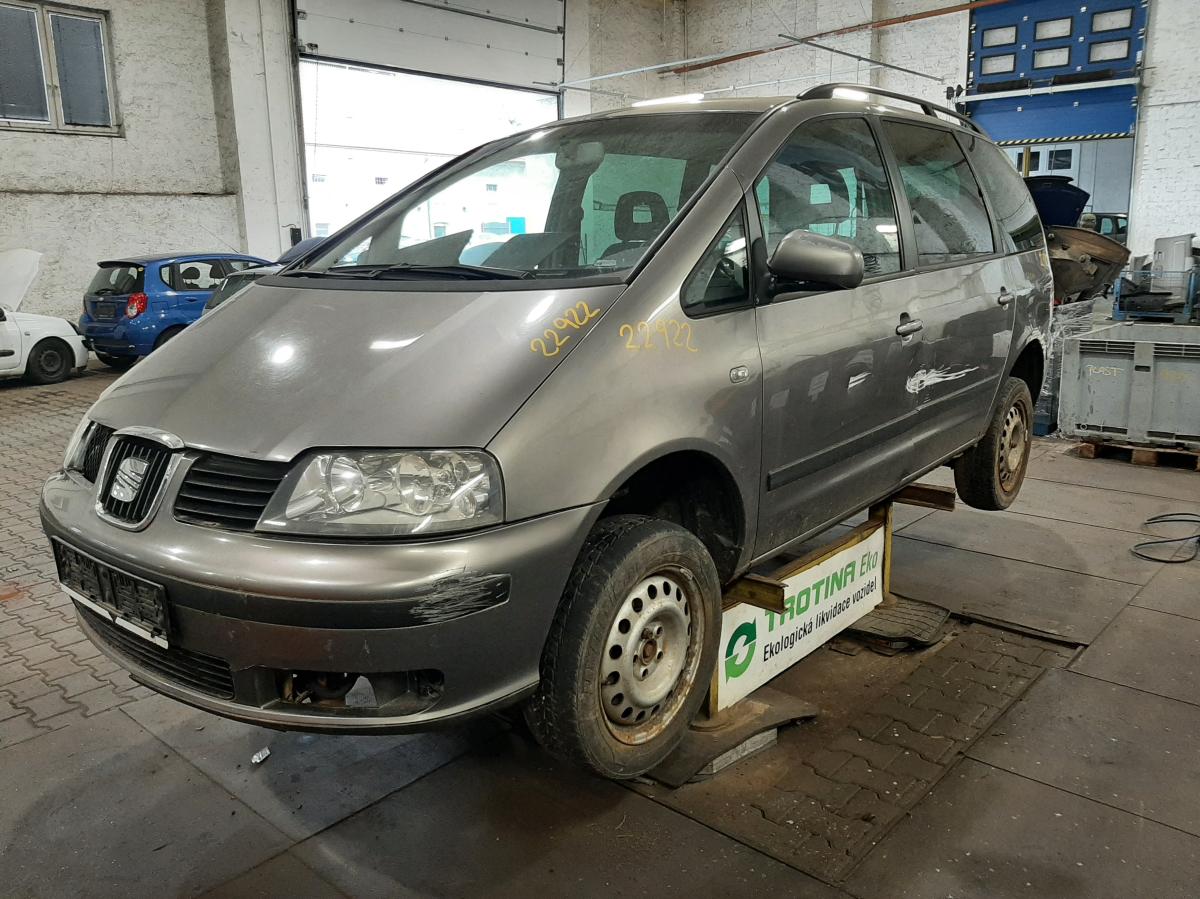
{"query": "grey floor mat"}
pixel 901 624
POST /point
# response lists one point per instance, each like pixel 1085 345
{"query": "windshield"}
pixel 117 279
pixel 569 201
pixel 236 282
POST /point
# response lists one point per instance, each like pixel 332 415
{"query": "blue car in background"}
pixel 136 304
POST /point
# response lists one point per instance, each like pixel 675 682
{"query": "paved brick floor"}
pixel 50 675
pixel 997 764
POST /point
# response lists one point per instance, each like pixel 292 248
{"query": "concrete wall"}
pixel 200 163
pixel 604 36
pixel 1166 176
pixel 79 198
pixel 935 46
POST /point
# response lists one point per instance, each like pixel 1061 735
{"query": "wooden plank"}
pixel 1087 450
pixel 755 590
pixel 1144 457
pixel 821 553
pixel 929 496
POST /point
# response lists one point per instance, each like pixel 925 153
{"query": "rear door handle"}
pixel 1005 297
pixel 912 326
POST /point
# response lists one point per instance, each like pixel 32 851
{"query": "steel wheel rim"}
pixel 650 656
pixel 1014 445
pixel 52 361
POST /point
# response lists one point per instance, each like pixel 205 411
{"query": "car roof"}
pixel 175 257
pixel 827 101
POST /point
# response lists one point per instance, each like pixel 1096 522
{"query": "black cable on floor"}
pixel 1171 518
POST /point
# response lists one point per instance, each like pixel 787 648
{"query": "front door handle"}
pixel 1005 297
pixel 912 326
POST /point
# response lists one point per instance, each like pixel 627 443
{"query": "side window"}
pixel 1011 203
pixel 167 274
pixel 237 265
pixel 722 277
pixel 829 179
pixel 949 217
pixel 198 274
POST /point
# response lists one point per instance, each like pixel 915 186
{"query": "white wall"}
pixel 1166 179
pixel 935 46
pixel 79 198
pixel 604 36
pixel 207 157
pixel 253 39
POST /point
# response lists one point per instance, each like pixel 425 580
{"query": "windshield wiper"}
pixel 412 271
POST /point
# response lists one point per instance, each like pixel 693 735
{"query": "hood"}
pixel 278 370
pixel 19 268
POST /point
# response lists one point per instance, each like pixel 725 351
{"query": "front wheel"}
pixel 631 651
pixel 989 475
pixel 50 362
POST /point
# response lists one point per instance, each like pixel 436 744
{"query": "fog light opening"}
pixel 391 693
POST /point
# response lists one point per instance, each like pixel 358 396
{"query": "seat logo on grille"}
pixel 128 480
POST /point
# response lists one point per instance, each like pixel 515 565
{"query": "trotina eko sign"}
pixel 820 601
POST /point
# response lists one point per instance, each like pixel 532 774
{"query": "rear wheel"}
pixel 165 336
pixel 989 475
pixel 120 363
pixel 50 362
pixel 631 651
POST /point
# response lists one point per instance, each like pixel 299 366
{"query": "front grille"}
pixel 204 673
pixel 97 440
pixel 136 485
pixel 227 492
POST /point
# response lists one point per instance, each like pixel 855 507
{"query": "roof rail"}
pixel 826 92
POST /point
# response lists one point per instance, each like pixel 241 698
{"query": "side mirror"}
pixel 804 256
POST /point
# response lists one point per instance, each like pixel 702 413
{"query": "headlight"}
pixel 388 494
pixel 73 457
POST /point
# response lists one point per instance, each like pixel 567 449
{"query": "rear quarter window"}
pixel 117 279
pixel 1005 188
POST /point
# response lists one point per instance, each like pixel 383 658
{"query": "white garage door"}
pixel 517 42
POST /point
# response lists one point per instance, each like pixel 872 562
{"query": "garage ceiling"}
pixel 520 43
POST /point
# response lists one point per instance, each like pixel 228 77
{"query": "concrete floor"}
pixel 1046 747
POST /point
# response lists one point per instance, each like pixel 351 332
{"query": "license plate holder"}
pixel 128 601
pixel 104 313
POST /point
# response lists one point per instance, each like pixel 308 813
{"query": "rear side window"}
pixel 1014 209
pixel 829 179
pixel 197 274
pixel 949 218
pixel 117 279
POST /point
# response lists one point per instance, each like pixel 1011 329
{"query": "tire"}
pixel 620 617
pixel 50 362
pixel 165 336
pixel 989 475
pixel 119 363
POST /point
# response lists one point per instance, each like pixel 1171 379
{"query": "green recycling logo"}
pixel 739 651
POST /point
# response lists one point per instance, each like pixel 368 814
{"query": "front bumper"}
pixel 475 609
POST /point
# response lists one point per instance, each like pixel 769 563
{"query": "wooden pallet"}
pixel 1159 456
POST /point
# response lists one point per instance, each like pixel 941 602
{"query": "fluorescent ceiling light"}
pixel 680 98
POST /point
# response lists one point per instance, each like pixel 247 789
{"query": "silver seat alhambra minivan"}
pixel 504 438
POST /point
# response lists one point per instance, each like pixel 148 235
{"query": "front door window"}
pixel 829 179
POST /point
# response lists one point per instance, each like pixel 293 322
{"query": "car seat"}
pixel 631 233
pixel 190 278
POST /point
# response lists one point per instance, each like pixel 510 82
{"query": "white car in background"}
pixel 43 348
